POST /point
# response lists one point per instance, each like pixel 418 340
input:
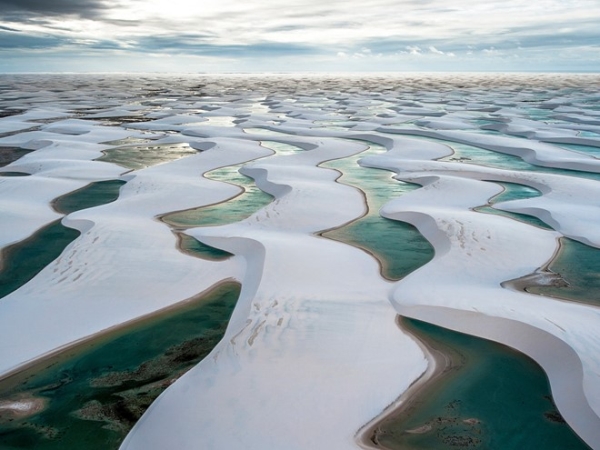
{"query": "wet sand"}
pixel 443 360
pixel 21 374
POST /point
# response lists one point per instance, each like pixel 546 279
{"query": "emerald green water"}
pixel 470 154
pixel 25 259
pixel 14 174
pixel 265 132
pixel 231 211
pixel 280 148
pixel 237 208
pixel 579 266
pixel 192 246
pixel 98 391
pixel 514 191
pixel 398 246
pixel 94 194
pixel 492 397
pixel 141 156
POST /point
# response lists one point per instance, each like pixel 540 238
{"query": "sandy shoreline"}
pixel 311 311
pixel 440 363
pixel 20 374
pixel 562 364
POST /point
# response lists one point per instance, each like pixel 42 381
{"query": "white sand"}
pixel 312 353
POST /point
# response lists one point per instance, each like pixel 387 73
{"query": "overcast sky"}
pixel 305 35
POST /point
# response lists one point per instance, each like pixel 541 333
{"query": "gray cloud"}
pixel 11 40
pixel 310 31
pixel 8 29
pixel 18 10
pixel 199 45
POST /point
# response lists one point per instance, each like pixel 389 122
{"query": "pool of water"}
pixel 193 247
pixel 579 265
pixel 141 156
pixel 398 246
pixel 490 397
pixel 11 154
pixel 237 208
pixel 94 393
pixel 94 194
pixel 231 211
pixel 14 174
pixel 585 149
pixel 25 259
pixel 514 191
pixel 470 154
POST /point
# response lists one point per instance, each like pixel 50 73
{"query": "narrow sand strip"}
pixel 466 278
pixel 300 339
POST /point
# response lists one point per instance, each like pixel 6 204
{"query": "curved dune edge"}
pixel 437 362
pixel 475 254
pixel 533 152
pixel 560 362
pixel 336 295
pixel 126 263
pixel 66 351
pixel 299 339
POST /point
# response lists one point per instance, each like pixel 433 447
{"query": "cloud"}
pixel 201 44
pixel 25 8
pixel 349 32
pixel 11 40
pixel 8 29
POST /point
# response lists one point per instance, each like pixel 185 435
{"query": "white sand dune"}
pixel 475 254
pixel 310 341
pixel 312 352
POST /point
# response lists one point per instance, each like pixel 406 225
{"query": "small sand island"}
pixel 21 407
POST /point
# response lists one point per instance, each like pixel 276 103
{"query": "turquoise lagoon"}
pixel 94 392
pixel 490 397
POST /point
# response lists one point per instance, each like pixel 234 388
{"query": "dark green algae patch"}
pixel 488 397
pixel 96 391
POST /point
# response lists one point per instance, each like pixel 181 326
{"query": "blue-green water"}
pixel 193 247
pixel 236 209
pixel 579 265
pixel 97 390
pixel 514 191
pixel 94 194
pixel 585 149
pixel 470 154
pixel 141 156
pixel 25 259
pixel 280 148
pixel 490 397
pixel 398 246
pixel 14 174
pixel 231 211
